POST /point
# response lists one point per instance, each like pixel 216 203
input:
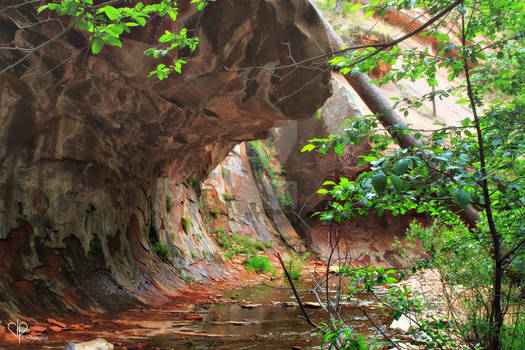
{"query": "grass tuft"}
pixel 260 264
pixel 169 202
pixel 228 197
pixel 218 230
pixel 186 223
pixel 163 251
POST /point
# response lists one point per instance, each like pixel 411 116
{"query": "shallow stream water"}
pixel 267 326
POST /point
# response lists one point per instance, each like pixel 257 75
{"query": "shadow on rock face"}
pixel 88 149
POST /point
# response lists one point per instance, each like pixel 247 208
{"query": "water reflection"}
pixel 268 326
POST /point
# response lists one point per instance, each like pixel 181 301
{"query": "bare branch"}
pixel 303 310
pixel 19 5
pixel 39 47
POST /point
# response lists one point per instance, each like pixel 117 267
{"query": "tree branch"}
pixel 303 310
pixel 18 5
pixel 39 47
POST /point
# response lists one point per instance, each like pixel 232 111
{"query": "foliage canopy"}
pixel 479 162
pixel 106 23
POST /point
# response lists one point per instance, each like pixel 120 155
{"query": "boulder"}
pixel 95 344
pixel 403 324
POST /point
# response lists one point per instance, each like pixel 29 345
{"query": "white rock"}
pixel 405 346
pixel 404 324
pixel 95 344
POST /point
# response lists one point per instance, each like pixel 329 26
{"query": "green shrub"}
pixel 186 223
pixel 214 212
pixel 224 241
pixel 163 251
pixel 295 273
pixel 259 246
pixel 228 197
pixel 169 202
pixel 318 114
pixel 248 242
pixel 294 265
pixel 236 244
pixel 268 244
pixel 218 230
pixel 260 264
pixel 187 278
pixel 194 182
pixel 263 161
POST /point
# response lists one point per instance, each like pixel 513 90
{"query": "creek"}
pixel 264 317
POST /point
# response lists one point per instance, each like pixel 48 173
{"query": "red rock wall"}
pixel 243 212
pixel 90 147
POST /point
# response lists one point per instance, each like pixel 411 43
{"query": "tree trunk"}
pixel 496 314
pixel 380 106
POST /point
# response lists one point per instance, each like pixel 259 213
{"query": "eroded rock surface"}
pixel 362 240
pixel 308 170
pixel 90 148
pixel 235 204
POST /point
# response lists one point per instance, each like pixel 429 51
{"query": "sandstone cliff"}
pixel 91 149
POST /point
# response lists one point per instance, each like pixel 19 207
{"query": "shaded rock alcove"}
pixel 90 147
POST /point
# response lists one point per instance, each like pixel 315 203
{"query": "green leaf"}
pixel 368 13
pixel 379 182
pixel 462 197
pixel 369 158
pixel 339 148
pixel 97 46
pixel 82 25
pixel 307 148
pixel 42 8
pixel 166 37
pixel 400 167
pixel 112 13
pixel 329 182
pixel 112 41
pixel 441 37
pixel 396 182
pixel 141 21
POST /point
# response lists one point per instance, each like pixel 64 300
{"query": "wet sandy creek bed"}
pixel 252 314
pixel 262 317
